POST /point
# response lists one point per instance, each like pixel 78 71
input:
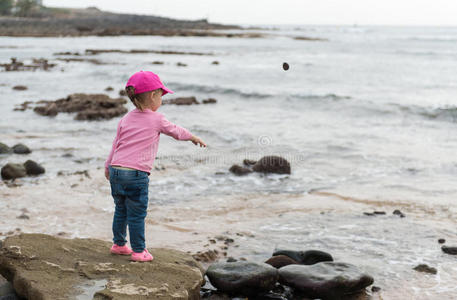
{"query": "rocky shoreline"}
pixel 85 268
pixel 92 21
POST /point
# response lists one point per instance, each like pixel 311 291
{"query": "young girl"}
pixel 131 158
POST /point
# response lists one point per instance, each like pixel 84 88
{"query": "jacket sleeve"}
pixel 116 139
pixel 174 130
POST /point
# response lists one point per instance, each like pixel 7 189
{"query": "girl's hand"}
pixel 107 174
pixel 197 141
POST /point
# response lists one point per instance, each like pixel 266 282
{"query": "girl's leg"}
pixel 137 205
pixel 120 221
pixel 120 210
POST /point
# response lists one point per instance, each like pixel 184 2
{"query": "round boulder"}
pixel 242 277
pixel 239 170
pixel 327 280
pixel 309 257
pixel 21 149
pixel 4 149
pixel 280 261
pixel 449 250
pixel 32 168
pixel 272 164
pixel 13 171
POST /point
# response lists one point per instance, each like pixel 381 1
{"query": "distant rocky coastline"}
pixel 92 21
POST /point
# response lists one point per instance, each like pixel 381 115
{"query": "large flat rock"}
pixel 45 267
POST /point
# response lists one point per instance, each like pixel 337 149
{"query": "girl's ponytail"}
pixel 130 90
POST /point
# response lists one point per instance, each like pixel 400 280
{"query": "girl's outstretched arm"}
pixel 197 141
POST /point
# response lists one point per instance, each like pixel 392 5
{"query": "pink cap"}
pixel 145 81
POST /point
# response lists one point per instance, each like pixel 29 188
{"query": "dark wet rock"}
pixel 21 149
pixel 280 261
pixel 68 53
pixel 231 259
pixel 32 168
pixel 249 162
pixel 89 60
pixel 375 213
pixel 109 89
pixel 20 88
pixel 206 256
pixel 49 110
pixel 37 64
pixel 13 171
pixel 285 66
pixel 229 241
pixel 308 257
pixel 142 51
pixel 181 101
pixel 34 270
pixel 215 62
pixel 425 269
pixel 209 101
pixel 441 241
pixel 397 212
pixel 239 170
pixel 449 250
pixel 272 164
pixel 180 64
pixel 6 289
pixel 86 106
pixel 242 278
pixel 23 216
pixel 4 149
pixel 157 62
pixel 375 289
pixel 327 280
pixel 122 93
pixel 307 38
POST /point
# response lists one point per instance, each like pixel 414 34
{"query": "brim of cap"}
pixel 166 91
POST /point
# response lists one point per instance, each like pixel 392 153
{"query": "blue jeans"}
pixel 129 189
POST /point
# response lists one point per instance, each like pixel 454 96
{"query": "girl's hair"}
pixel 139 100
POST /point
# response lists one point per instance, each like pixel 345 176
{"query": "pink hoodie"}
pixel 137 139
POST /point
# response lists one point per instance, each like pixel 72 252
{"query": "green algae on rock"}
pixel 46 267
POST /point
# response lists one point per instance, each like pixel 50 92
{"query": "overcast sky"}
pixel 362 12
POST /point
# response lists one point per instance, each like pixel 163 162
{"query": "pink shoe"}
pixel 121 250
pixel 142 256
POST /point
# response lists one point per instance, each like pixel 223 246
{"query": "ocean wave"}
pixel 426 53
pixel 330 96
pixel 452 38
pixel 219 90
pixel 245 94
pixel 448 113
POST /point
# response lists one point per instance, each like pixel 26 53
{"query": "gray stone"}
pixel 309 257
pixel 242 277
pixel 4 149
pixel 21 149
pixel 425 269
pixel 13 171
pixel 6 289
pixel 32 168
pixel 449 250
pixel 327 280
pixel 239 170
pixel 64 268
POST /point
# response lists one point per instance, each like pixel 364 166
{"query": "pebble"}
pixel 425 269
pixel 398 213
